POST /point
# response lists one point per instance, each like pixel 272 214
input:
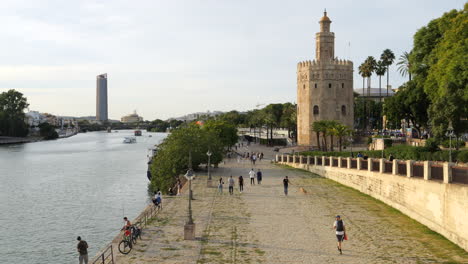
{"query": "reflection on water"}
pixel 53 191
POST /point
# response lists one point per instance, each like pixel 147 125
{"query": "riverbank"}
pixel 18 140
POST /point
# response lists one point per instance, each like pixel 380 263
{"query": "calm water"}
pixel 53 191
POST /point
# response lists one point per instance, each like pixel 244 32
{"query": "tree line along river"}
pixel 54 191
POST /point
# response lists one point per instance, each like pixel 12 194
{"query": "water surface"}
pixel 53 191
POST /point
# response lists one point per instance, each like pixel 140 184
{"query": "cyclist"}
pixel 127 225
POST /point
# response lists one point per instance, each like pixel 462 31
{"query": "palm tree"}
pixel 387 57
pixel 404 65
pixel 363 73
pixel 330 126
pixel 317 127
pixel 371 64
pixel 380 70
pixel 341 131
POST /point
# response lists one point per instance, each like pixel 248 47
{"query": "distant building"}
pixel 375 94
pixel 101 98
pixel 131 118
pixel 196 116
pixel 324 87
pixel 34 118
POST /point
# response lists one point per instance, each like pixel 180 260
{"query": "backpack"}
pixel 339 225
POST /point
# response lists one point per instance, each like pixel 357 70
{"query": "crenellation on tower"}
pixel 324 87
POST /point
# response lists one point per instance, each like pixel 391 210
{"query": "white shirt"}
pixel 252 174
pixel 339 232
pixel 231 182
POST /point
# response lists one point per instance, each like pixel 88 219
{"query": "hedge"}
pixel 402 152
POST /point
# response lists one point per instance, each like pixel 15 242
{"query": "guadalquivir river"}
pixel 53 191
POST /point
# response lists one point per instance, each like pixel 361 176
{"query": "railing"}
pixel 364 164
pixel 107 256
pixel 437 172
pixel 344 163
pixel 335 162
pixel 388 167
pixel 460 175
pixel 401 168
pixel 375 165
pixel 418 170
pixel 434 171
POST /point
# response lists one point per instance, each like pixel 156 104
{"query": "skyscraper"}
pixel 101 97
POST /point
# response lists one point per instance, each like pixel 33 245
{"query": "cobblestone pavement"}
pixel 261 225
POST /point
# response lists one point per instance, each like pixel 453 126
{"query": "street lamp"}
pixel 450 134
pixel 189 228
pixel 351 140
pixel 209 165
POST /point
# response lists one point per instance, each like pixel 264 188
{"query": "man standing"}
pixel 82 248
pixel 231 185
pixel 241 184
pixel 259 177
pixel 286 185
pixel 340 231
pixel 252 176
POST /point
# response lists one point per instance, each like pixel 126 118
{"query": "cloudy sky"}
pixel 169 58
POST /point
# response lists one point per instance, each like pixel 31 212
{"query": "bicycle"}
pixel 125 246
pixel 136 233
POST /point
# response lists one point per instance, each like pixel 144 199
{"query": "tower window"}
pixel 315 85
pixel 342 85
pixel 329 85
pixel 316 110
pixel 343 110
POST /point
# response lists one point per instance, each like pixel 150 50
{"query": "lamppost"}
pixel 209 164
pixel 351 140
pixel 189 228
pixel 450 134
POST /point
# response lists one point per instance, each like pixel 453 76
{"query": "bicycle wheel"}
pixel 134 238
pixel 125 247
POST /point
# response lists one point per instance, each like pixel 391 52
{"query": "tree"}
pixel 47 131
pixel 330 128
pixel 226 132
pixel 447 76
pixel 404 65
pixel 341 131
pixel 380 70
pixel 12 117
pixel 410 103
pixel 289 119
pixel 318 127
pixel 387 57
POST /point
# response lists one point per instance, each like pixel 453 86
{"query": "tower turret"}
pixel 325 40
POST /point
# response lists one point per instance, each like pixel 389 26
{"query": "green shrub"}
pixel 402 152
pixel 432 145
pixel 446 143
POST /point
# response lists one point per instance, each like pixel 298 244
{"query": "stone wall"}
pixel 433 200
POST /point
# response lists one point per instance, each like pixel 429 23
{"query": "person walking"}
pixel 220 185
pixel 231 185
pixel 286 185
pixel 259 177
pixel 254 158
pixel 252 176
pixel 82 248
pixel 241 184
pixel 340 231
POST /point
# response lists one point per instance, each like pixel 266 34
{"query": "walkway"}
pixel 261 225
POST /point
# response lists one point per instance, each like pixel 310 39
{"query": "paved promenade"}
pixel 261 225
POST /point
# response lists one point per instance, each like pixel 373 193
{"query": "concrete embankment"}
pixel 18 140
pixel 438 204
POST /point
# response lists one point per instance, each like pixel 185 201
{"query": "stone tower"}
pixel 324 87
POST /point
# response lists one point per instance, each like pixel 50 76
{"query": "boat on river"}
pixel 138 132
pixel 129 140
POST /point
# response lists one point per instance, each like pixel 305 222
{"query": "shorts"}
pixel 340 238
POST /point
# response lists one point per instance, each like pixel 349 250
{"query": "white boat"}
pixel 129 140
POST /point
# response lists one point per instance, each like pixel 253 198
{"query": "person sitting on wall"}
pixel 359 155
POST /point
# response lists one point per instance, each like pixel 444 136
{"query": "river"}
pixel 53 191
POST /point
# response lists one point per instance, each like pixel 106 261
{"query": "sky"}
pixel 169 58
